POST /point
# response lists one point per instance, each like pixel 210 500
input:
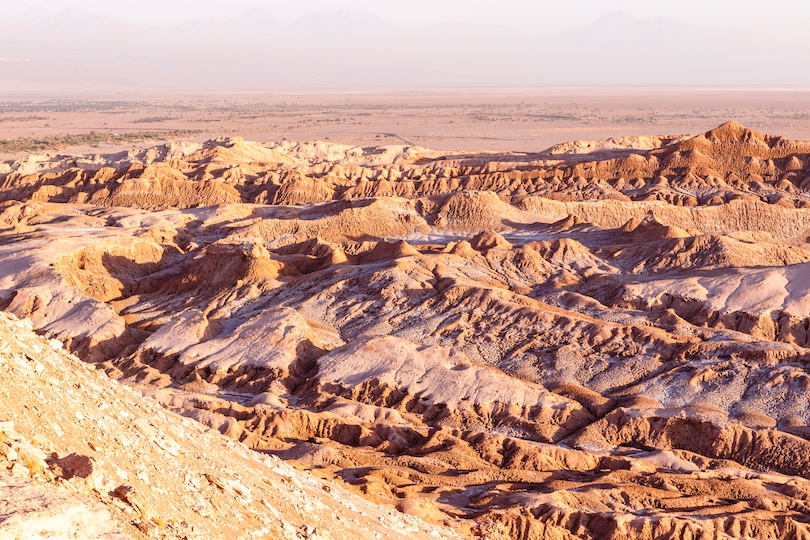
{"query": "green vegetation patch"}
pixel 56 142
pixel 22 118
pixel 155 119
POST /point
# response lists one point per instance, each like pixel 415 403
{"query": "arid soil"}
pixel 604 340
pixel 518 119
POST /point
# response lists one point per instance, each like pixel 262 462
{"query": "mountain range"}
pixel 350 49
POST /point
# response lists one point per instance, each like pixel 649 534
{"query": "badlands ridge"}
pixel 606 340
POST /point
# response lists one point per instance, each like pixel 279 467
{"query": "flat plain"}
pixel 522 120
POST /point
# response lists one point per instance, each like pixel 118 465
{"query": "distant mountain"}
pixel 623 50
pixel 343 23
pixel 343 49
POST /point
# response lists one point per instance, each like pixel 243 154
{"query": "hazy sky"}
pixel 535 43
pixel 541 16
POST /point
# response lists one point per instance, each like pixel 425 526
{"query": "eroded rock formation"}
pixel 604 340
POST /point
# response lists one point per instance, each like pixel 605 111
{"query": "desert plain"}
pixel 513 314
pixel 508 119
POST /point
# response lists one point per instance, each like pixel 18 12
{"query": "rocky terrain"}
pixel 82 456
pixel 605 340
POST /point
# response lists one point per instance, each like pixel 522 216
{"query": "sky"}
pixel 520 43
pixel 526 16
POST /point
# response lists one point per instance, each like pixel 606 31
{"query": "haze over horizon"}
pixel 52 46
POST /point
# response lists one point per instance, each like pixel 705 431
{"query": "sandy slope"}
pixel 87 443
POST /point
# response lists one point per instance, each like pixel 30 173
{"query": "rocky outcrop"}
pixel 730 163
pixel 35 511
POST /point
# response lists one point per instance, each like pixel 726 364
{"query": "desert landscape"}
pixel 286 326
pixel 528 120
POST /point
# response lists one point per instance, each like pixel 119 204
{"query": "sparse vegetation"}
pixel 55 142
pixel 22 118
pixel 63 106
pixel 155 119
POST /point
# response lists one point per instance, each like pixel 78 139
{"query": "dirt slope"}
pixel 82 456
